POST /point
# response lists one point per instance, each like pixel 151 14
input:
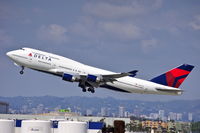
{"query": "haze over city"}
pixel 149 36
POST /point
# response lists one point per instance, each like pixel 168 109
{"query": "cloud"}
pixel 109 20
pixel 122 31
pixel 121 9
pixel 53 32
pixel 148 45
pixel 196 23
pixel 104 30
pixel 107 10
pixel 85 27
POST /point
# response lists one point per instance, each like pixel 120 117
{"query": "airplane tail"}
pixel 174 77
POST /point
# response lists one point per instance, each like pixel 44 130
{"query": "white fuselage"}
pixel 51 63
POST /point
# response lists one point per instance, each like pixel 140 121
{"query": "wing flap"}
pixel 120 75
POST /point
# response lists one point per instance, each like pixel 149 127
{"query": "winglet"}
pixel 133 73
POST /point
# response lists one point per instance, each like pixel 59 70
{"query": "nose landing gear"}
pixel 22 70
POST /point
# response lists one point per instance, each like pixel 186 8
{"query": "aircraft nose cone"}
pixel 8 54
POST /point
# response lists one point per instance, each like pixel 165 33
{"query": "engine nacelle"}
pixel 93 78
pixel 69 77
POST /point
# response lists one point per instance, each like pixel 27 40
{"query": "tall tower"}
pixel 121 111
pixel 190 118
pixel 103 111
pixel 161 114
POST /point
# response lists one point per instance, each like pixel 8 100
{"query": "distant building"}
pixel 154 124
pixel 126 114
pixel 179 116
pixel 89 112
pixel 153 116
pixel 108 112
pixel 190 117
pixel 113 115
pixel 103 111
pixel 172 116
pixel 121 111
pixel 136 111
pixel 161 114
pixel 40 108
pixel 4 108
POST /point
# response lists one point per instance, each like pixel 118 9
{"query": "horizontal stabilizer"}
pixel 169 90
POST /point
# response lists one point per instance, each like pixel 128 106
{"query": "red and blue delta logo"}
pixel 174 77
pixel 30 54
pixel 40 56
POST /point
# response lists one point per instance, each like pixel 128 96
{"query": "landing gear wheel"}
pixel 21 72
pixel 89 89
pixel 92 91
pixel 83 89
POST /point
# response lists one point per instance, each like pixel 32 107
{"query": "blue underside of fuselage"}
pixel 113 88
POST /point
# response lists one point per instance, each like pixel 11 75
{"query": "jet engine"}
pixel 69 77
pixel 93 78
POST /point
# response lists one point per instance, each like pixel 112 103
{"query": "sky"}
pixel 151 36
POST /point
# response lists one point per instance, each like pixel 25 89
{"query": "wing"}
pixel 96 77
pixel 96 80
pixel 113 77
pixel 91 80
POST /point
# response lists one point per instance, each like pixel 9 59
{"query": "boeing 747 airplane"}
pixel 89 78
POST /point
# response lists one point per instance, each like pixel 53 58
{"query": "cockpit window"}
pixel 22 48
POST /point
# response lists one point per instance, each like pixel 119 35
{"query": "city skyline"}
pixel 109 107
pixel 103 112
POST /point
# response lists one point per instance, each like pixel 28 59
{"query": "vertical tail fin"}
pixel 174 77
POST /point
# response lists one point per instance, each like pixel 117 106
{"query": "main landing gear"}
pixel 22 70
pixel 85 88
pixel 91 89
